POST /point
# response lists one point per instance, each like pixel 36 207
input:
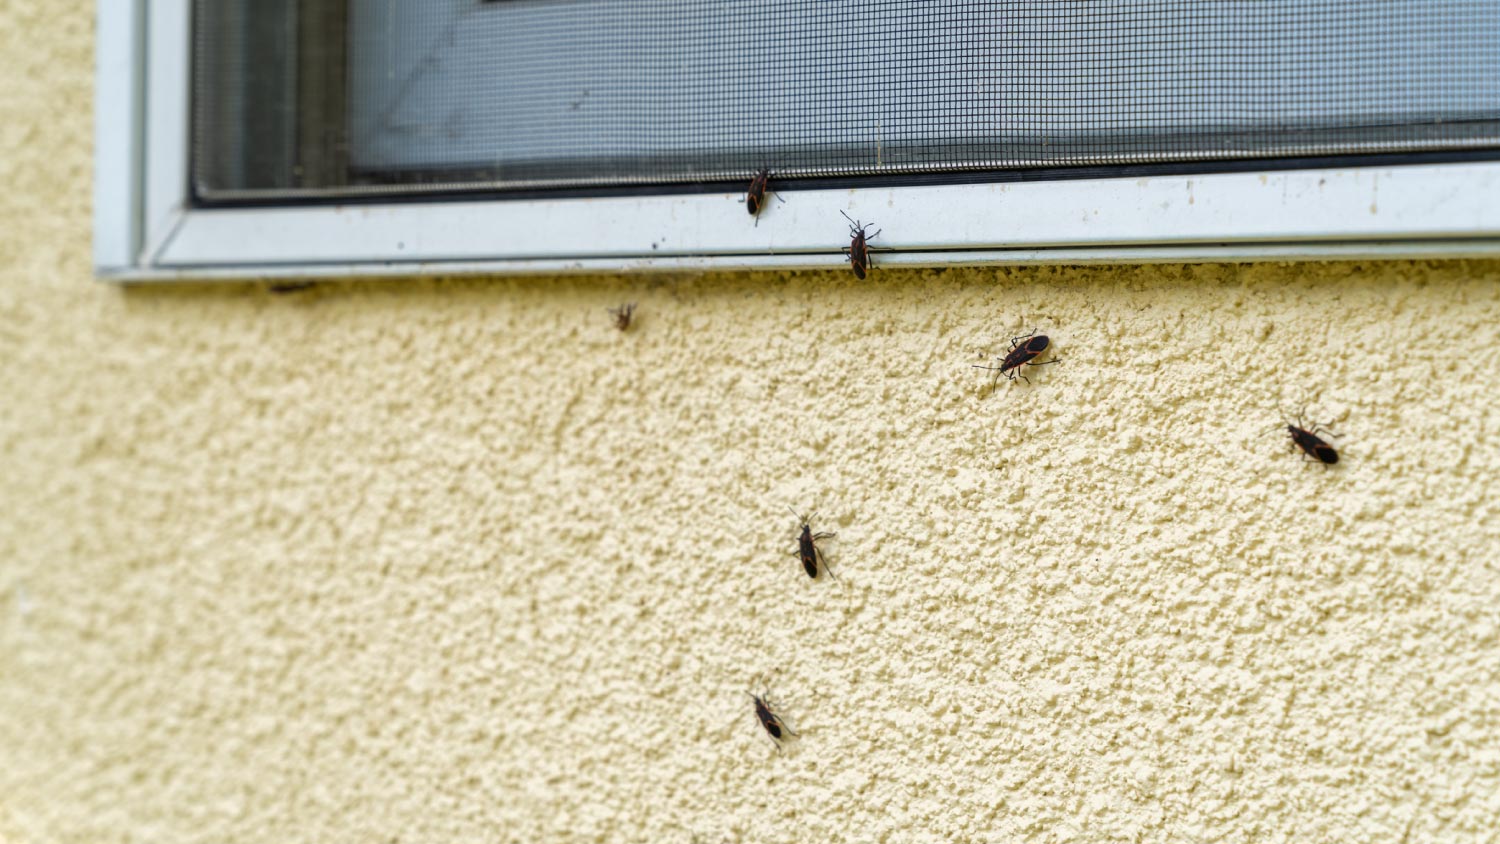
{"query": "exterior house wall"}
pixel 441 560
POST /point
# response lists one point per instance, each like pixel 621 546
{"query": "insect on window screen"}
pixel 328 98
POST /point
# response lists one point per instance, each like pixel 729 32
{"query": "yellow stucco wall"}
pixel 455 561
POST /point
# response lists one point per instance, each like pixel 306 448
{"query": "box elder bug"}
pixel 775 727
pixel 858 249
pixel 755 197
pixel 1313 447
pixel 807 547
pixel 622 315
pixel 1022 350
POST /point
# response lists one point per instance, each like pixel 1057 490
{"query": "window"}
pixel 338 136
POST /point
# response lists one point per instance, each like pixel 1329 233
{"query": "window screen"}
pixel 327 98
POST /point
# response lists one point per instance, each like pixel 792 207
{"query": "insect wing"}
pixel 1017 356
pixel 859 255
pixel 768 719
pixel 809 553
pixel 1312 446
pixel 772 724
pixel 755 198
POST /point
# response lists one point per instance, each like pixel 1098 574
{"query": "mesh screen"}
pixel 526 94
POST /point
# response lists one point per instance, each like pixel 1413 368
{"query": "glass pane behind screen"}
pixel 525 94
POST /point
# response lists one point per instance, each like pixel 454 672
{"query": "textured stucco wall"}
pixel 455 561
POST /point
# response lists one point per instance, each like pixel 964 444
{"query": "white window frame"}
pixel 145 226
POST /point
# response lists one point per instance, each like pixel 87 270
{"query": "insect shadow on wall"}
pixel 807 546
pixel 622 315
pixel 289 286
pixel 1023 351
pixel 1310 440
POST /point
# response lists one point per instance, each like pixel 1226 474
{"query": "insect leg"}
pixel 823 558
pixel 1016 341
pixel 995 381
pixel 824 562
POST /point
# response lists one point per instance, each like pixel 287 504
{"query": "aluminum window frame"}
pixel 146 226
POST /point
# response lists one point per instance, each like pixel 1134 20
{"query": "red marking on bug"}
pixel 755 197
pixel 1023 350
pixel 1313 447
